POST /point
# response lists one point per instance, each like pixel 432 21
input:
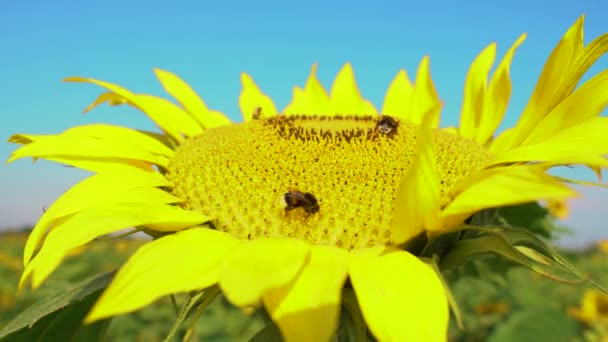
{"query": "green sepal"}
pixel 519 246
pixel 194 306
pixel 59 317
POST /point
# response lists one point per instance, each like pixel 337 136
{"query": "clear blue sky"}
pixel 210 42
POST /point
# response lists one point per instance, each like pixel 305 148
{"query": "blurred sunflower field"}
pixel 509 303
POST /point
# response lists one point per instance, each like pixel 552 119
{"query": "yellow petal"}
pixel 127 185
pixel 506 186
pixel 252 98
pixel 260 265
pixel 122 135
pixel 189 99
pixel 90 223
pixel 345 98
pixel 173 123
pixel 313 99
pixel 308 308
pixel 552 83
pixel 299 103
pixel 585 59
pixel 417 201
pixel 502 141
pixel 116 133
pixel 425 100
pixel 316 93
pixel 475 91
pixel 77 146
pixel 102 165
pixel 586 102
pixel 398 98
pixel 401 298
pixel 185 261
pixel 112 99
pixel 583 140
pixel 169 114
pixel 497 97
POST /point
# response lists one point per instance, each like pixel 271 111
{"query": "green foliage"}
pixel 532 217
pixel 61 325
pixel 504 303
pixel 536 324
pixel 58 315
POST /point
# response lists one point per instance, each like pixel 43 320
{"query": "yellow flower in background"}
pixel 558 208
pixel 593 309
pixel 602 245
pixel 282 209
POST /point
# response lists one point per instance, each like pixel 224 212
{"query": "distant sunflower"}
pixel 593 308
pixel 283 208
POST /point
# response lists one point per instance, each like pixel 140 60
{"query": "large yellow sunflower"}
pixel 287 208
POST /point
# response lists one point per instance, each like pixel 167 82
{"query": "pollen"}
pixel 254 177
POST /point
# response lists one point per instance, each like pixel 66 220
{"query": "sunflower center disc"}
pixel 352 166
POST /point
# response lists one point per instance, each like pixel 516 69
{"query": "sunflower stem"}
pixel 208 297
pixel 191 302
pixel 174 302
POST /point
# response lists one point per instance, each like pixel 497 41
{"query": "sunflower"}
pixel 286 209
pixel 593 308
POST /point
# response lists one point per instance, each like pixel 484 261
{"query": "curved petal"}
pixel 308 308
pixel 417 202
pixel 316 93
pixel 497 97
pixel 111 98
pixel 425 100
pixel 123 135
pixel 260 265
pixel 110 187
pixel 401 298
pixel 172 125
pixel 177 116
pixel 252 98
pixel 189 99
pixel 299 104
pixel 586 102
pixel 398 98
pixel 475 91
pixel 313 99
pixel 585 59
pixel 185 261
pixel 345 98
pixel 554 83
pixel 583 140
pixel 102 165
pixel 506 186
pixel 81 146
pixel 90 223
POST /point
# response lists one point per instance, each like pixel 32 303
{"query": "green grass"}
pixel 508 303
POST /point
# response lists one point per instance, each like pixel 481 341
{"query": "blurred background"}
pixel 209 43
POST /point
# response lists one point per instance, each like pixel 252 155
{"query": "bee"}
pixel 387 125
pixel 297 199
